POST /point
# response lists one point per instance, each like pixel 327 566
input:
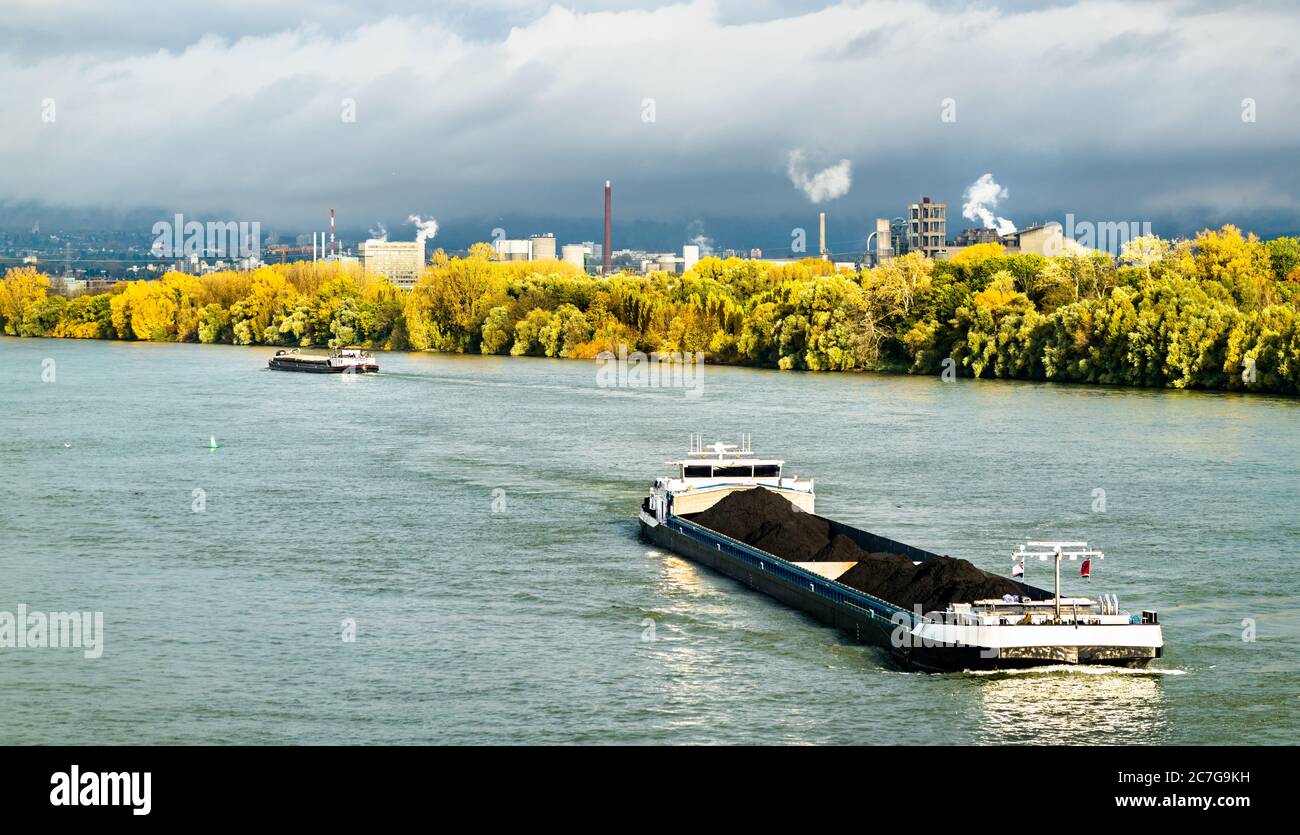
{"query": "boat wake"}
pixel 1079 670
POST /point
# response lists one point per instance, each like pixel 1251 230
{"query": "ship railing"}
pixel 830 589
pixel 791 485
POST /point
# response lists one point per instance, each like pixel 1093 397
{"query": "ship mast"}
pixel 720 449
pixel 1056 550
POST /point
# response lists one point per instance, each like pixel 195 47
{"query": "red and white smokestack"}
pixel 608 211
pixel 331 231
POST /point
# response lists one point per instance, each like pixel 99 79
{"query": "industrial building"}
pixel 979 235
pixel 667 262
pixel 690 256
pixel 884 238
pixel 534 248
pixel 543 247
pixel 925 229
pixel 401 262
pixel 575 255
pixel 513 249
pixel 928 227
pixel 1045 239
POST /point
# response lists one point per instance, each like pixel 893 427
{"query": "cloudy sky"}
pixel 718 116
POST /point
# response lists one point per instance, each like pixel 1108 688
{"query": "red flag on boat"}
pixel 1085 570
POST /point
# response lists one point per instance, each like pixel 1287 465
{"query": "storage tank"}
pixel 512 250
pixel 690 255
pixel 543 247
pixel 884 241
pixel 575 254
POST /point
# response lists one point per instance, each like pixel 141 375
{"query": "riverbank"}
pixel 1216 313
pixel 900 372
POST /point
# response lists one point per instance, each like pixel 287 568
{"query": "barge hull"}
pixel 321 368
pixel 877 627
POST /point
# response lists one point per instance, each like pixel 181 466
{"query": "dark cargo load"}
pixel 766 521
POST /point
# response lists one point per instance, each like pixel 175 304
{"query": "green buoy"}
pixel 212 444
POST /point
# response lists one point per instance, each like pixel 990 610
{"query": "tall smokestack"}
pixel 331 231
pixel 823 234
pixel 608 210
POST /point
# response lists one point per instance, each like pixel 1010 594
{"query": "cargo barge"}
pixel 341 361
pixel 1034 627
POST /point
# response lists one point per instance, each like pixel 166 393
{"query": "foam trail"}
pixel 1081 669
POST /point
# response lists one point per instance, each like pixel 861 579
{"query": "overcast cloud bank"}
pixel 1110 110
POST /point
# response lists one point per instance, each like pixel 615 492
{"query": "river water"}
pixel 474 517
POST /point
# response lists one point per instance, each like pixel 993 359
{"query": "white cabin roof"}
pixel 740 462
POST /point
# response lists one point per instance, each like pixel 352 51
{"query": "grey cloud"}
pixel 521 109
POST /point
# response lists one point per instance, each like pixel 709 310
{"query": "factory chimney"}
pixel 823 234
pixel 331 252
pixel 605 253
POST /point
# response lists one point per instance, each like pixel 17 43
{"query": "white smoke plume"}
pixel 703 241
pixel 982 198
pixel 379 232
pixel 827 184
pixel 424 229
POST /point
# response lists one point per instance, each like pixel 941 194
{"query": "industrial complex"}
pixel 921 228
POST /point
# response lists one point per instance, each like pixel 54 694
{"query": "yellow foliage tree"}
pixel 1239 262
pixel 188 295
pixel 976 254
pixel 897 283
pixel 145 310
pixel 22 288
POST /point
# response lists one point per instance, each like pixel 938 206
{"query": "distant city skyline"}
pixel 1180 114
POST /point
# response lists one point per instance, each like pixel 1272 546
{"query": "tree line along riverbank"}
pixel 1220 311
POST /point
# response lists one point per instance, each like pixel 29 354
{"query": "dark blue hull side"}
pixel 867 620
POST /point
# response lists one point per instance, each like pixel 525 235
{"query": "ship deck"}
pixel 951 641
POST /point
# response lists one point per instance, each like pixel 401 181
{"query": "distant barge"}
pixel 1036 628
pixel 342 361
